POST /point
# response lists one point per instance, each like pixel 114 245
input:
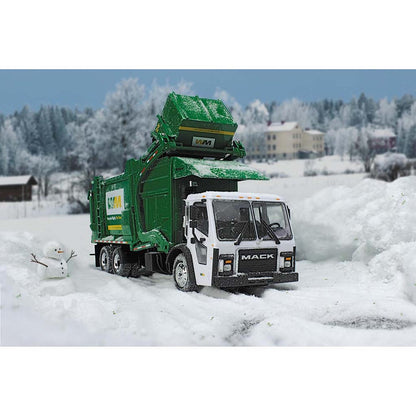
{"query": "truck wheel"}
pixel 119 262
pixel 106 253
pixel 183 274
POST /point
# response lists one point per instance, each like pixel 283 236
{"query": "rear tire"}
pixel 106 254
pixel 184 275
pixel 120 263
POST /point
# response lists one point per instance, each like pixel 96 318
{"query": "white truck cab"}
pixel 236 239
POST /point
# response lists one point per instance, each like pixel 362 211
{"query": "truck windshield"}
pixel 274 214
pixel 233 218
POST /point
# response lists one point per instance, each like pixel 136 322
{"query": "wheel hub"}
pixel 181 274
pixel 117 262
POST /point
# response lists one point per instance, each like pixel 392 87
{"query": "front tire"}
pixel 183 274
pixel 120 263
pixel 106 254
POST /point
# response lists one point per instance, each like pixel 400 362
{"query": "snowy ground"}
pixel 326 165
pixel 356 238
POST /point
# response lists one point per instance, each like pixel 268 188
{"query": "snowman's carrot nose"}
pixel 60 251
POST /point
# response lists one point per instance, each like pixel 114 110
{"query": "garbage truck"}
pixel 177 210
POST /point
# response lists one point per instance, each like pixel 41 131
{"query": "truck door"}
pixel 197 239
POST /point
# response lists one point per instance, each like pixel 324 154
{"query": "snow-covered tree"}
pixel 89 146
pixel 363 148
pixel 256 113
pixel 406 128
pixel 386 113
pixel 154 102
pixel 11 150
pixel 232 104
pixel 124 117
pixel 295 110
pixel 255 119
pixel 42 166
pixel 343 140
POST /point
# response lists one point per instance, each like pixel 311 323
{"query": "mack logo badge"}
pixel 115 201
pixel 257 260
pixel 203 142
pixel 257 256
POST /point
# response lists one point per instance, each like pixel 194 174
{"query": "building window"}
pixel 274 137
pixel 274 147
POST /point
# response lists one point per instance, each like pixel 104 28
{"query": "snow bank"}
pixel 373 222
pixel 356 222
pixel 397 267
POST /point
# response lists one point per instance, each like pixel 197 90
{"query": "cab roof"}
pixel 250 196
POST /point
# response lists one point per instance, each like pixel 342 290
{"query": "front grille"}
pixel 258 260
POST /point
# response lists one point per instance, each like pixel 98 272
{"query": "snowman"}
pixel 53 265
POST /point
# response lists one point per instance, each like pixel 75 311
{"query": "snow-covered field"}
pixel 326 165
pixel 356 240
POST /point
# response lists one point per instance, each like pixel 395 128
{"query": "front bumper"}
pixel 254 279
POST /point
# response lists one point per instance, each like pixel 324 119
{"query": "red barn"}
pixel 382 140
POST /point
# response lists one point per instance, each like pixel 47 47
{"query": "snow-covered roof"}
pixel 382 133
pixel 235 196
pixel 186 166
pixel 17 180
pixel 314 132
pixel 282 126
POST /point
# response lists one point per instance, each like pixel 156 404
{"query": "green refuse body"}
pixel 193 151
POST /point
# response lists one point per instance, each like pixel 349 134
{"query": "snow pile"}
pixel 356 222
pixel 374 222
pixel 389 166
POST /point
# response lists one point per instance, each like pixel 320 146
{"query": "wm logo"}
pixel 203 142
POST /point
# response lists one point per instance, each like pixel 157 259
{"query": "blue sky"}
pixel 87 88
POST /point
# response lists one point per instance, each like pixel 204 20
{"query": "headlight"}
pixel 287 262
pixel 226 264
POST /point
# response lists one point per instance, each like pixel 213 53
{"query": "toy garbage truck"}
pixel 177 210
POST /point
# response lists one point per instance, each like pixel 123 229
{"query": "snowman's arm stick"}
pixel 72 255
pixel 35 260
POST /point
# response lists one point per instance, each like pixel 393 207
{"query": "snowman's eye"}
pixel 56 250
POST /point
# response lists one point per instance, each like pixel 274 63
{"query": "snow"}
pixel 206 168
pixel 382 133
pixel 296 167
pixel 388 166
pixel 357 263
pixel 14 180
pixel 286 126
pixel 313 132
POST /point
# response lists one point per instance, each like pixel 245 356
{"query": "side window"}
pixel 202 218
